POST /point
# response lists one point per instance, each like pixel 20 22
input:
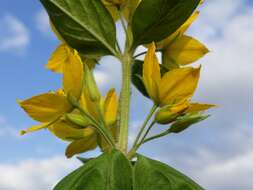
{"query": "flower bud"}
pixel 91 85
pixel 186 121
pixel 169 113
pixel 78 120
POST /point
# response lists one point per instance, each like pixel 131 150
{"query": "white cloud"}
pixel 35 174
pixel 42 22
pixel 14 36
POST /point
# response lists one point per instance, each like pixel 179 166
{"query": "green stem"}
pixel 147 132
pixel 132 152
pixel 153 109
pixel 156 136
pixel 124 105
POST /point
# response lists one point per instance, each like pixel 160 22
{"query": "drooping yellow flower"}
pixel 63 54
pixel 49 107
pixel 92 139
pixel 174 86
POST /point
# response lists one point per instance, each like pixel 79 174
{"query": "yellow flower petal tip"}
pixel 23 132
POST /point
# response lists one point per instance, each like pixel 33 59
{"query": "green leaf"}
pixel 84 160
pixel 85 25
pixel 153 175
pixel 156 20
pixel 137 70
pixel 186 121
pixel 110 171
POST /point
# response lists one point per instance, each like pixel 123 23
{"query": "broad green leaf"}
pixel 155 20
pixel 110 171
pixel 84 160
pixel 85 25
pixel 154 175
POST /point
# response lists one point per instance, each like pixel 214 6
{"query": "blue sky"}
pixel 216 153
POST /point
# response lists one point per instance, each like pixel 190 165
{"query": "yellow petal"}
pixel 178 84
pixel 151 73
pixel 34 128
pixel 81 146
pixel 185 50
pixel 67 131
pixel 110 107
pixel 73 75
pixel 196 107
pixel 59 57
pixel 167 41
pixel 88 105
pixel 46 107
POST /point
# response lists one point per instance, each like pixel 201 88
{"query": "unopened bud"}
pixel 186 121
pixel 78 120
pixel 91 85
pixel 168 114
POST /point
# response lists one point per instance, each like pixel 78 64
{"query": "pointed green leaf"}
pixel 85 25
pixel 110 171
pixel 153 175
pixel 155 20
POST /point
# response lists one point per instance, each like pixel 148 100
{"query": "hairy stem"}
pixel 124 105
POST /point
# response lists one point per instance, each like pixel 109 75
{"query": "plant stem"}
pixel 146 133
pixel 156 136
pixel 124 105
pixel 153 109
pixel 132 152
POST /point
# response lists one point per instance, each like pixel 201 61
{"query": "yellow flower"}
pixel 174 86
pixel 63 54
pixel 49 107
pixel 91 139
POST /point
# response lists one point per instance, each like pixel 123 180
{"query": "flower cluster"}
pixel 79 114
